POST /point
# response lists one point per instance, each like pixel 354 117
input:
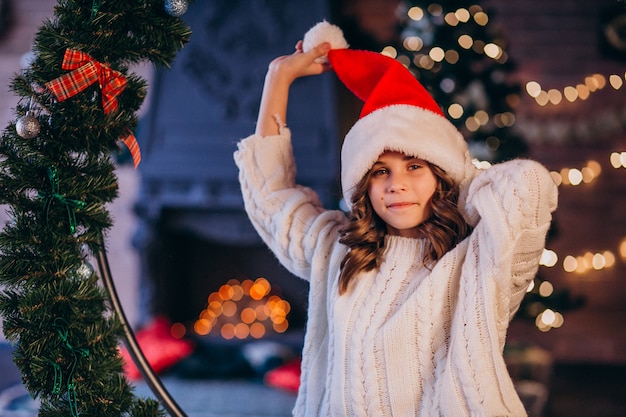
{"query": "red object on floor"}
pixel 286 376
pixel 159 347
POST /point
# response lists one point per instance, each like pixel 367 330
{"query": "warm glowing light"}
pixel 493 51
pixel 595 167
pixel 257 330
pixel 481 18
pixel 598 81
pixel 507 119
pixel 415 13
pixel 248 315
pixel 570 264
pixel 463 15
pixel 588 175
pixel 455 111
pixel 618 159
pixel 242 330
pixel 609 259
pixel 616 81
pixel 424 61
pixel 472 124
pixel 546 289
pixel 202 327
pixel 548 317
pixel 465 41
pixel 533 89
pixel 556 177
pixel 249 312
pixel 229 308
pixel 437 54
pixel 262 312
pixel 481 117
pixel 570 93
pixel 226 292
pixel 542 99
pixel 178 330
pixel 555 96
pixel 280 327
pixel 452 56
pixel 478 46
pixel 435 9
pixel 558 320
pixel 390 51
pixel 413 43
pixel 583 91
pixel 574 176
pixel 622 249
pixel 228 331
pixel 451 19
pixel 549 258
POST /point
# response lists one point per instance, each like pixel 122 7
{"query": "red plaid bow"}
pixel 131 142
pixel 86 72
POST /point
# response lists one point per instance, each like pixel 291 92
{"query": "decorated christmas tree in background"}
pixel 77 107
pixel 454 49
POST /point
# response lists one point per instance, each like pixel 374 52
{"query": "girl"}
pixel 411 294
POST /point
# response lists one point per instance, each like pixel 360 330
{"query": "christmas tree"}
pixel 78 103
pixel 453 48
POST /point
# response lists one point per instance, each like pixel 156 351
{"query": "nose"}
pixel 396 182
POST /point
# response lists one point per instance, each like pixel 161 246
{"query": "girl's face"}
pixel 400 190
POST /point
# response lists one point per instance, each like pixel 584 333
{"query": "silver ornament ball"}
pixel 27 126
pixel 83 271
pixel 176 8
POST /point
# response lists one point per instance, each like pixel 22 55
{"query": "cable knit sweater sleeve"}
pixel 289 218
pixel 511 204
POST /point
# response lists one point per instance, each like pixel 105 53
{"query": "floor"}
pixel 576 391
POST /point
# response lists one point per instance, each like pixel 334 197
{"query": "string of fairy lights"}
pixel 581 91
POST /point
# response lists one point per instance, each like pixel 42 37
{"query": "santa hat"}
pixel 398 113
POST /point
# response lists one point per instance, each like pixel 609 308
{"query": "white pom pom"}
pixel 324 32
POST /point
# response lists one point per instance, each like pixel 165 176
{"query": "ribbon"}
pixel 70 204
pixel 131 143
pixel 85 72
pixel 62 329
pixel 94 8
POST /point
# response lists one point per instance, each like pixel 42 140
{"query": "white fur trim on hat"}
pixel 403 128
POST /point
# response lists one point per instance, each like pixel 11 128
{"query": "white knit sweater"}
pixel 405 340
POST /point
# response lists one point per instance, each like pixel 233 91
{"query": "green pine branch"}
pixel 56 185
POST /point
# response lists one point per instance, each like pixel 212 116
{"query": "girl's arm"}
pixel 288 217
pixel 514 201
pixel 282 72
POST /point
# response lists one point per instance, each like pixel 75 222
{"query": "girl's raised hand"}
pixel 300 64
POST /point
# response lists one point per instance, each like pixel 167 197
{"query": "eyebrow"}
pixel 405 158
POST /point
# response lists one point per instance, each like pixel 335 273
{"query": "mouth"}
pixel 400 205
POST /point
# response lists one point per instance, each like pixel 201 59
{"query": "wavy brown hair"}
pixel 365 234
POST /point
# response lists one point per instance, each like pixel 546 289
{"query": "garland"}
pixel 78 103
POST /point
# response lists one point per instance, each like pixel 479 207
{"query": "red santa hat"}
pixel 398 113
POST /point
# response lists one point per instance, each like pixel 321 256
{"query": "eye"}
pixel 413 167
pixel 379 172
